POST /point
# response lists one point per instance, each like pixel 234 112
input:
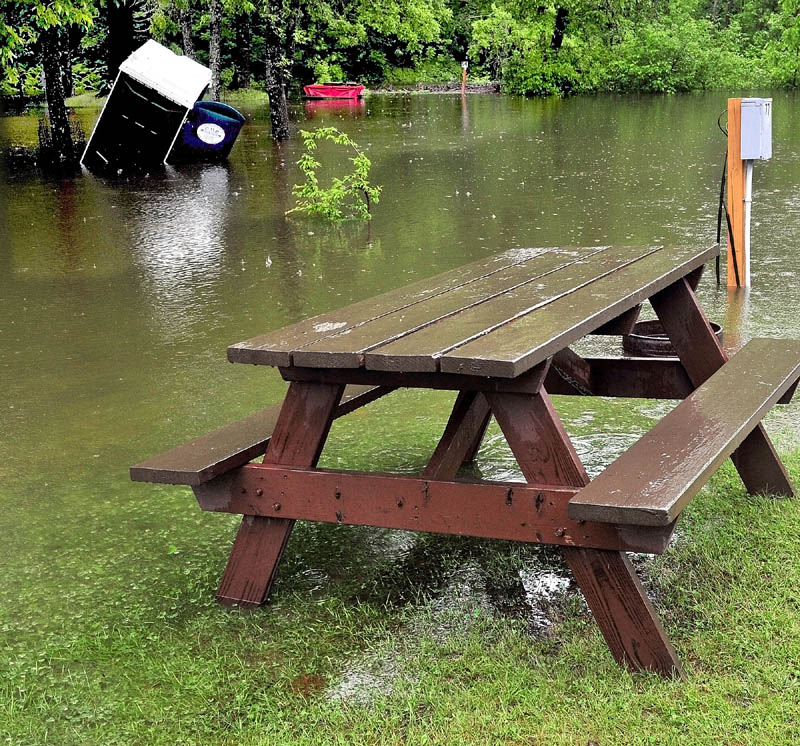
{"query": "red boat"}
pixel 334 90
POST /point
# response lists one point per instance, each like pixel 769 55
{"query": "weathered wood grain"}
pixel 623 611
pixel 225 448
pixel 300 433
pixel 519 344
pixel 499 510
pixel 658 475
pixel 275 348
pixel 420 350
pixel 617 599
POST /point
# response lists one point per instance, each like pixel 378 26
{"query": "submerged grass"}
pixel 378 637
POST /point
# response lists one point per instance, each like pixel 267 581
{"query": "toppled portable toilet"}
pixel 208 133
pixel 154 92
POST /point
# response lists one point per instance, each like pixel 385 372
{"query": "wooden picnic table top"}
pixel 497 317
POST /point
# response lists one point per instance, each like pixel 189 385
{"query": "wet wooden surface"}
pixel 465 321
pixel 447 320
pixel 210 455
pixel 275 348
pixel 488 319
pixel 500 510
pixel 515 346
pixel 656 477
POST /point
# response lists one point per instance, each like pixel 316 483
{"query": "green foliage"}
pixel 325 71
pixel 439 69
pixel 348 197
pixel 782 55
pixel 32 81
pixel 663 47
pixel 86 78
pixel 20 25
pixel 558 48
pixel 662 58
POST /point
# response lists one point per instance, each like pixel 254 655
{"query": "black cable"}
pixel 722 181
pixel 733 249
pixel 719 210
pixel 722 184
pixel 719 122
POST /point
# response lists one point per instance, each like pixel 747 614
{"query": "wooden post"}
pixel 464 77
pixel 736 189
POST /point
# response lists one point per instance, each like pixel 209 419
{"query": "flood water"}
pixel 119 297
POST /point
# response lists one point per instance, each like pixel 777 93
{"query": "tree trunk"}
pixel 63 153
pixel 185 22
pixel 242 69
pixel 121 40
pixel 65 62
pixel 562 18
pixel 215 47
pixel 275 75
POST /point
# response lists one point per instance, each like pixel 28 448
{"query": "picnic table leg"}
pixel 297 440
pixel 626 617
pixel 462 436
pixel 699 350
pixel 480 434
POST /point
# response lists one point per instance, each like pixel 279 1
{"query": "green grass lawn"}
pixel 371 638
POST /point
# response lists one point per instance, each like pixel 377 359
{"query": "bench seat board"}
pixel 653 481
pixel 469 309
pixel 276 347
pixel 231 446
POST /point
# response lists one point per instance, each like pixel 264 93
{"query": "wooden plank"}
pixel 537 439
pixel 529 382
pixel 516 346
pixel 622 324
pixel 689 331
pixel 275 348
pixel 467 424
pixel 210 455
pixel 420 350
pixel 638 377
pixel 701 354
pixel 571 367
pixel 653 480
pixel 641 377
pixel 480 433
pixel 497 510
pixel 300 433
pixel 736 188
pixel 347 350
pixel 623 612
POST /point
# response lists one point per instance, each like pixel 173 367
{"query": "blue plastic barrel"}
pixel 210 130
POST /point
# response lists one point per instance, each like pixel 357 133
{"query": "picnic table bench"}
pixel 498 332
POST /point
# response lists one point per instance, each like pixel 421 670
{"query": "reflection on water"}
pixel 120 296
pixel 346 108
pixel 737 318
pixel 179 235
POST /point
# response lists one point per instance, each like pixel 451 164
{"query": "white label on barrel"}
pixel 212 134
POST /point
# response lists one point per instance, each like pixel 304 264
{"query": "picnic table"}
pixel 498 332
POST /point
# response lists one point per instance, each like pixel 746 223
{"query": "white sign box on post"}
pixel 756 129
